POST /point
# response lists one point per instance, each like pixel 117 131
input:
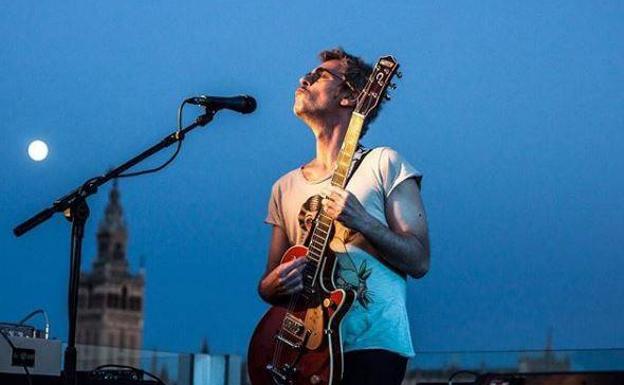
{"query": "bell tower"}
pixel 110 299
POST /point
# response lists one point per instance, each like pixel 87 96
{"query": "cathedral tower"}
pixel 110 299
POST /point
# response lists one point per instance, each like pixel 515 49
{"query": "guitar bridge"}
pixel 284 375
pixel 287 342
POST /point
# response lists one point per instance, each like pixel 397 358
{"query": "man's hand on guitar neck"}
pixel 344 207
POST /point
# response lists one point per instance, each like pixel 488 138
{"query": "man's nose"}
pixel 304 82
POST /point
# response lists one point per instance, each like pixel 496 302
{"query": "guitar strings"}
pixel 291 306
pixel 317 276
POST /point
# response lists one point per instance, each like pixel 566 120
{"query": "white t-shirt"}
pixel 378 318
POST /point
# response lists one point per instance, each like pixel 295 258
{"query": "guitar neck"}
pixel 349 145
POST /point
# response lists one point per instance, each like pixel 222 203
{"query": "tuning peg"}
pixel 392 85
pixel 399 74
pixel 387 96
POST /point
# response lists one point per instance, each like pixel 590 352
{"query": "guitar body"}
pixel 300 343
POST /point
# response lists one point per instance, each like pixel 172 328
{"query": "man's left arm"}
pixel 404 243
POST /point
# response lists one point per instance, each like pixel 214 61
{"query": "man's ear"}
pixel 348 101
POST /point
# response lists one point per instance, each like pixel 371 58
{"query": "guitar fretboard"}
pixel 322 229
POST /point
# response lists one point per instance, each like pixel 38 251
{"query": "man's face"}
pixel 320 91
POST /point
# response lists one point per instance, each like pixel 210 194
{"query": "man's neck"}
pixel 329 137
pixel 328 145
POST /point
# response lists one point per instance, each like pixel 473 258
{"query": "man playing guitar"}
pixel 381 205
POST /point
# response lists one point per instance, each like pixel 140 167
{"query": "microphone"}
pixel 242 103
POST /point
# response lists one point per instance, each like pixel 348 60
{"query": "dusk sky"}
pixel 514 113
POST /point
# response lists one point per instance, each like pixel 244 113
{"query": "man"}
pixel 381 204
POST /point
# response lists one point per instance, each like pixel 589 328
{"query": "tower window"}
pixel 124 298
pixel 113 301
pixel 98 301
pixel 118 253
pixel 90 296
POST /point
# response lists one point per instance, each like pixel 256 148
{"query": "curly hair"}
pixel 357 74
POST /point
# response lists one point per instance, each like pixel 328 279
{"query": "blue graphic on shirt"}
pixel 350 277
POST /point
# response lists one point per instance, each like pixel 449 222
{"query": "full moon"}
pixel 37 150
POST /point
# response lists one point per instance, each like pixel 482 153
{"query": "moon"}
pixel 38 150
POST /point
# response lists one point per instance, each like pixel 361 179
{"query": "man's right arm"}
pixel 280 280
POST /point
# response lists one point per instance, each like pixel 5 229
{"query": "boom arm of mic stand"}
pixel 90 186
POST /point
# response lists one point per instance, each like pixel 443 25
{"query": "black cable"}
pixel 45 316
pixel 151 170
pixel 13 349
pixel 175 153
pixel 136 370
pixel 450 380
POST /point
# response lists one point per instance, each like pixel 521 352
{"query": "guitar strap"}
pixel 358 157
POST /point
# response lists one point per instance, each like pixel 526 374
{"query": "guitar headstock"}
pixel 377 85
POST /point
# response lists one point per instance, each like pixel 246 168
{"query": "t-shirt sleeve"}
pixel 394 170
pixel 274 216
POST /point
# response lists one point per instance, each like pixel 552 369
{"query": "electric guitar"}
pixel 300 343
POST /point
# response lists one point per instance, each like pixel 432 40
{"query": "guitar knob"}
pixel 315 380
pixel 327 302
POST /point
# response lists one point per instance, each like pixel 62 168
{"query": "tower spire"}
pixel 112 237
pixel 113 216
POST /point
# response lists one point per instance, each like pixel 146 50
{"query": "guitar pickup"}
pixel 294 326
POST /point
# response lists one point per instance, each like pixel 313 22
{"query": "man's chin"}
pixel 298 109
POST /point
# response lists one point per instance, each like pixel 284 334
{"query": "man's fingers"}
pixel 292 285
pixel 293 281
pixel 297 264
pixel 287 267
pixel 293 273
pixel 295 289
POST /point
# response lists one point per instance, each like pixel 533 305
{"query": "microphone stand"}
pixel 74 207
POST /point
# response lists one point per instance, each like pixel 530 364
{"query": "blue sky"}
pixel 513 112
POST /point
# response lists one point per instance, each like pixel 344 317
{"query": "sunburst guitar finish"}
pixel 300 343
